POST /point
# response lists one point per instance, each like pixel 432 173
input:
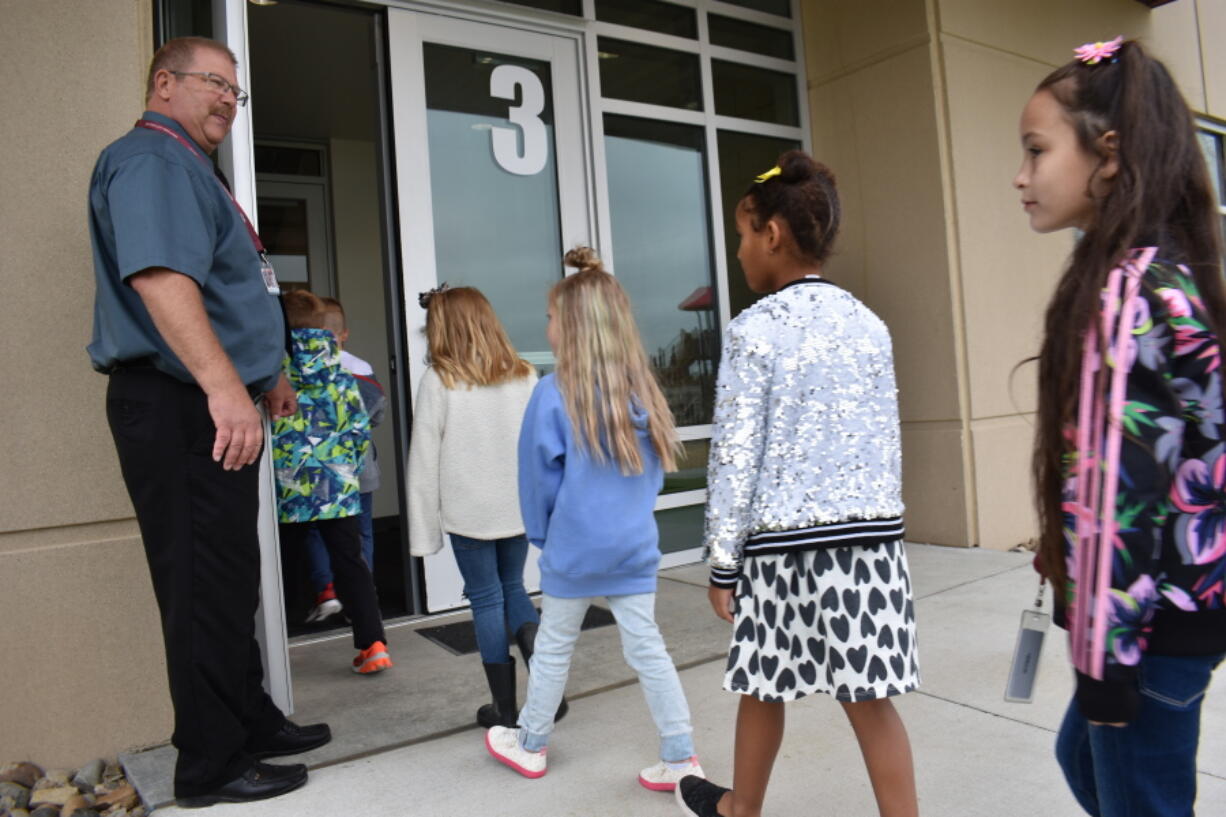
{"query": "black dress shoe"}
pixel 261 781
pixel 291 739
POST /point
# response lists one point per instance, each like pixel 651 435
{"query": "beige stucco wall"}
pixel 82 669
pixel 873 110
pixel 914 103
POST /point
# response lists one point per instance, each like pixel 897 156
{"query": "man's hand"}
pixel 282 401
pixel 177 308
pixel 721 602
pixel 240 428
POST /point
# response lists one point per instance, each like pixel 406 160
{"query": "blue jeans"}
pixel 493 572
pixel 643 649
pixel 317 555
pixel 1147 768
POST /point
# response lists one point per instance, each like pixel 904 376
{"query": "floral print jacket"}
pixel 1145 488
pixel 318 453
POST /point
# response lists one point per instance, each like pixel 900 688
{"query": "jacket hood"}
pixel 317 358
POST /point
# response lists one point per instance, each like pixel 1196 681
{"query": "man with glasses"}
pixel 189 327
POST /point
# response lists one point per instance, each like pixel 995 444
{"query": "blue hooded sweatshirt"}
pixel 595 526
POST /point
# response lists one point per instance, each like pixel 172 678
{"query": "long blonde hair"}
pixel 602 368
pixel 467 343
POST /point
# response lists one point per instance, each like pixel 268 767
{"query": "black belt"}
pixel 146 364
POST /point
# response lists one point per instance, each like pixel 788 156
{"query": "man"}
pixel 187 323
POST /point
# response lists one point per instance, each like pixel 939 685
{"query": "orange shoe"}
pixel 374 658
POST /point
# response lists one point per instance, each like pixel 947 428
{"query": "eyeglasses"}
pixel 218 84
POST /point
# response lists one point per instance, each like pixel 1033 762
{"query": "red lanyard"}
pixel 157 126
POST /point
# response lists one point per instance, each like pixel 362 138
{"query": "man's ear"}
pixel 1109 148
pixel 161 83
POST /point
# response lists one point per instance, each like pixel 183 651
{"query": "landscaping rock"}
pixel 89 775
pixel 25 773
pixel 80 802
pixel 57 796
pixel 54 779
pixel 125 796
pixel 14 795
pixel 46 811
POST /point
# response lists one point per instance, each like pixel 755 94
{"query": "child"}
pixel 316 455
pixel 462 472
pixel 375 403
pixel 596 438
pixel 1129 456
pixel 804 510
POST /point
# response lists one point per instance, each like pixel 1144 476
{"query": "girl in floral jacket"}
pixel 1130 458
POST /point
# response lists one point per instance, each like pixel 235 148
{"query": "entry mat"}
pixel 461 638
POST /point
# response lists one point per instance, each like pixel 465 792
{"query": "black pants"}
pixel 354 584
pixel 198 523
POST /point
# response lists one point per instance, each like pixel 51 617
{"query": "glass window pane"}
pixel 742 156
pixel 1211 144
pixel 770 42
pixel 643 73
pixel 652 15
pixel 662 254
pixel 680 528
pixel 574 7
pixel 691 473
pixel 288 161
pixel 474 194
pixel 781 7
pixel 755 93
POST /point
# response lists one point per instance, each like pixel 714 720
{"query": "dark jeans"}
pixel 198 523
pixel 317 560
pixel 493 572
pixel 355 587
pixel 1147 768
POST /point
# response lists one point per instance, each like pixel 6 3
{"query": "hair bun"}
pixel 798 166
pixel 583 259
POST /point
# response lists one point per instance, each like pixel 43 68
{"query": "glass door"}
pixel 493 183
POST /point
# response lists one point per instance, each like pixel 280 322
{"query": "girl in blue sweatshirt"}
pixel 596 439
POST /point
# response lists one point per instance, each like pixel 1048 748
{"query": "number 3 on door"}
pixel 503 82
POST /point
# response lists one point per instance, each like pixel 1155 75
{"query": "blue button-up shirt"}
pixel 154 203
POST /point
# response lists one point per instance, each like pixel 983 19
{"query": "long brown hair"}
pixel 1160 195
pixel 467 342
pixel 602 368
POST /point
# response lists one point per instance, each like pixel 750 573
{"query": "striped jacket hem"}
pixel 856 533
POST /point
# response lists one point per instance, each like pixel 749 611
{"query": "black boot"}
pixel 526 639
pixel 503 711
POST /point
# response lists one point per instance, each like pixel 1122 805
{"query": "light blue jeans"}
pixel 643 649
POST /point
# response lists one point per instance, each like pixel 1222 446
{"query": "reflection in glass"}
pixel 691 473
pixel 574 7
pixel 781 7
pixel 662 254
pixel 742 156
pixel 644 73
pixel 730 33
pixel 493 229
pixel 653 15
pixel 755 93
pixel 680 528
pixel 1211 145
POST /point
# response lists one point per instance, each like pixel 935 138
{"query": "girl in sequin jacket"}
pixel 804 501
pixel 1130 458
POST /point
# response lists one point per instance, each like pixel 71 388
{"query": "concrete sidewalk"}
pixel 404 743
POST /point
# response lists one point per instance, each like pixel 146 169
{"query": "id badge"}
pixel 269 276
pixel 1019 688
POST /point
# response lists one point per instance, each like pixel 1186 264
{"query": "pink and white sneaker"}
pixel 503 744
pixel 664 775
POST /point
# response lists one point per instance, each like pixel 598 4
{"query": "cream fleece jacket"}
pixel 462 461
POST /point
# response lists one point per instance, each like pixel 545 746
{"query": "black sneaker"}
pixel 699 797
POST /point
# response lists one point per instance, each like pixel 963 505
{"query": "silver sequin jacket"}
pixel 805 452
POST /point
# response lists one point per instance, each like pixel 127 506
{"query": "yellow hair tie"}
pixel 774 171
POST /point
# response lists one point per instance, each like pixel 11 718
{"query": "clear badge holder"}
pixel 1024 670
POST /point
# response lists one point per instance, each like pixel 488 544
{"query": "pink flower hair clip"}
pixel 1094 53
